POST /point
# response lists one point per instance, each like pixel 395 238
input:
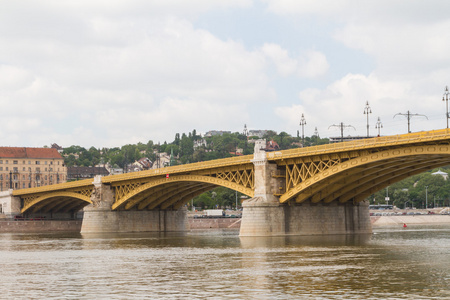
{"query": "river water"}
pixel 393 263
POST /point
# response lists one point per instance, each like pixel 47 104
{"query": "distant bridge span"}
pixel 341 172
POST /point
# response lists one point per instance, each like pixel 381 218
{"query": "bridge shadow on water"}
pixel 312 241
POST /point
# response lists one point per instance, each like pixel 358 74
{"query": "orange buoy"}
pixel 404 225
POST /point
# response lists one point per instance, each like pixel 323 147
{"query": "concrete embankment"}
pixel 214 223
pixel 38 226
pixel 410 220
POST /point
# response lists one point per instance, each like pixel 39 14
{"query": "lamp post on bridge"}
pixel 378 126
pixel 408 116
pixel 303 123
pixel 367 111
pixel 445 98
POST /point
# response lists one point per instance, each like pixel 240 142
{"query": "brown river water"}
pixel 392 263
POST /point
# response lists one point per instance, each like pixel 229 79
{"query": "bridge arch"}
pixel 206 183
pixel 52 197
pixel 426 157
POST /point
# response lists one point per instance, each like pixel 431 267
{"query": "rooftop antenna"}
pixel 409 115
pixel 342 126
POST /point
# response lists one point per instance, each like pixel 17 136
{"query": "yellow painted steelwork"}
pixel 354 170
pixel 349 171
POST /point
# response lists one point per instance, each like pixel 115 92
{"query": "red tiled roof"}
pixel 23 152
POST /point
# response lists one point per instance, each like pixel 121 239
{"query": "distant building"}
pixel 199 143
pixel 162 160
pixel 272 146
pixel 78 173
pixel 215 132
pixel 441 173
pixel 338 139
pixel 57 147
pixel 22 167
pixel 141 164
pixel 258 133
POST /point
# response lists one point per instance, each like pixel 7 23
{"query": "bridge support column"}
pixel 99 217
pixel 9 205
pixel 263 215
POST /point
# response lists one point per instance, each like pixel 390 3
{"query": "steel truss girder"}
pixel 340 183
pixel 368 159
pixel 128 192
pixel 40 200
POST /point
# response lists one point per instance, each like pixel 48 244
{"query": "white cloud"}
pixel 312 64
pixel 344 101
pixel 116 81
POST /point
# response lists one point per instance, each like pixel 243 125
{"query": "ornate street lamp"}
pixel 367 111
pixel 303 123
pixel 445 98
pixel 378 126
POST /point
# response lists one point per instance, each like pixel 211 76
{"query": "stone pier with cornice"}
pixel 99 216
pixel 264 215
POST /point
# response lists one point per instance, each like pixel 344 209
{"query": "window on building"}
pixel 6 169
pixel 1 161
pixel 23 185
pixel 45 177
pixel 45 169
pixel 29 169
pixel 23 162
pixel 38 162
pixel 15 177
pixel 6 161
pixel 23 169
pixel 23 177
pixel 51 162
pixel 16 169
pixel 1 168
pixel 15 162
pixel 45 162
pixel 29 162
pixel 38 169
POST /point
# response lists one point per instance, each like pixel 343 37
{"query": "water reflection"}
pixel 287 241
pixel 392 263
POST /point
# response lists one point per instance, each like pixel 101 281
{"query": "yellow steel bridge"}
pixel 348 171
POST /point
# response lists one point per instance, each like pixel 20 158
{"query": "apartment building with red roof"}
pixel 23 167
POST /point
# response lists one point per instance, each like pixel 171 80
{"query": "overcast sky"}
pixel 110 73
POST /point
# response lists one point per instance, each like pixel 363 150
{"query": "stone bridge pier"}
pixel 99 216
pixel 263 215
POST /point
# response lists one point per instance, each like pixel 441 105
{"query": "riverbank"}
pixel 410 220
pixel 14 226
pixel 38 226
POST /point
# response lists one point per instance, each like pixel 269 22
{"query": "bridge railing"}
pixel 224 162
pixel 392 140
pixel 60 186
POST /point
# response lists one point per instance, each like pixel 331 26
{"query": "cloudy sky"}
pixel 109 73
